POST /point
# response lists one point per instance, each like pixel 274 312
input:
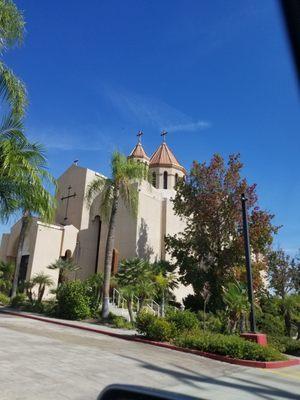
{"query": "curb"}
pixel 245 363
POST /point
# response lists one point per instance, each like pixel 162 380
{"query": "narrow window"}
pixel 176 178
pixel 165 180
pixel 154 179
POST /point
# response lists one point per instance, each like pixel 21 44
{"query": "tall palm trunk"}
pixel 129 307
pixel 24 226
pixel 109 253
pixel 162 306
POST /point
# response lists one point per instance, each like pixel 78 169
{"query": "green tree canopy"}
pixel 211 248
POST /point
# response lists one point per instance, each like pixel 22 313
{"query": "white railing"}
pixel 119 301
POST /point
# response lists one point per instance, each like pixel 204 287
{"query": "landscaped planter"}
pixel 247 363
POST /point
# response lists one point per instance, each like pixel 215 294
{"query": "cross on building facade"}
pixel 69 195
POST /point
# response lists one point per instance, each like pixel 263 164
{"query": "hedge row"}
pixel 229 345
pixel 285 344
pixel 182 331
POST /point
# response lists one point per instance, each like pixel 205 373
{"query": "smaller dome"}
pixel 139 153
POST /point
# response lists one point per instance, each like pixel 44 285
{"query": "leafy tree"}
pixel 65 267
pixel 283 280
pixel 120 187
pixel 211 248
pixel 236 300
pixel 281 273
pixel 12 25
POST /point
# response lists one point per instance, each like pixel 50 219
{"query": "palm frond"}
pixel 12 25
pixel 94 188
pixel 12 90
pixel 130 196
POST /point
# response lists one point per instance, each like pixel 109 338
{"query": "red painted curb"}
pixel 246 363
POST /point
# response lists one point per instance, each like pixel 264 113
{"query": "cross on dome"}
pixel 163 134
pixel 139 135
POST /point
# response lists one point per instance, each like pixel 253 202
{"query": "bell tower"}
pixel 164 167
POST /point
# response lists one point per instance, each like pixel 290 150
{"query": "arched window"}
pixel 165 180
pixel 68 255
pixel 154 179
pixel 176 178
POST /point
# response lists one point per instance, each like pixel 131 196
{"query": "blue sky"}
pixel 216 74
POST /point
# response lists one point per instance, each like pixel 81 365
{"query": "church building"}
pixel 79 232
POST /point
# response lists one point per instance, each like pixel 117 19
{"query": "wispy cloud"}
pixel 189 127
pixel 147 111
pixel 82 138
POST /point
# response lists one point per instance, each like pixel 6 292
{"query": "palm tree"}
pixel 124 172
pixel 28 287
pixel 205 293
pixel 165 280
pixel 236 299
pixel 65 267
pixel 12 24
pixel 27 164
pixel 135 279
pixel 43 281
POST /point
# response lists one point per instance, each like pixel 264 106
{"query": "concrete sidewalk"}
pixel 80 324
pixel 47 361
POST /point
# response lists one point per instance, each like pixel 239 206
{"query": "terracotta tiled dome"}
pixel 139 153
pixel 164 157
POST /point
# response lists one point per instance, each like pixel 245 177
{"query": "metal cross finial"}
pixel 139 135
pixel 163 134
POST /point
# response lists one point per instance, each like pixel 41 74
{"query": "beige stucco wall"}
pixel 75 177
pixel 69 239
pixel 46 250
pixel 149 227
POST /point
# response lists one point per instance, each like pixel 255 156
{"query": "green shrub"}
pixel 183 320
pixel 18 300
pixel 50 307
pixel 212 322
pixel 72 301
pixel 93 287
pixel 161 330
pixel 271 324
pixel 143 321
pixel 117 321
pixel 229 345
pixel 34 306
pixel 285 344
pixel 4 300
pixel 154 328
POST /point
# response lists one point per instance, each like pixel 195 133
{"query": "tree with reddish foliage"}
pixel 211 248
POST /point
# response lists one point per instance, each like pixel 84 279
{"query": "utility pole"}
pixel 248 263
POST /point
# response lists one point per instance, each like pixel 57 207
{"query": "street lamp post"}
pixel 248 263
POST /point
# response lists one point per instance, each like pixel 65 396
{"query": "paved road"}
pixel 44 361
